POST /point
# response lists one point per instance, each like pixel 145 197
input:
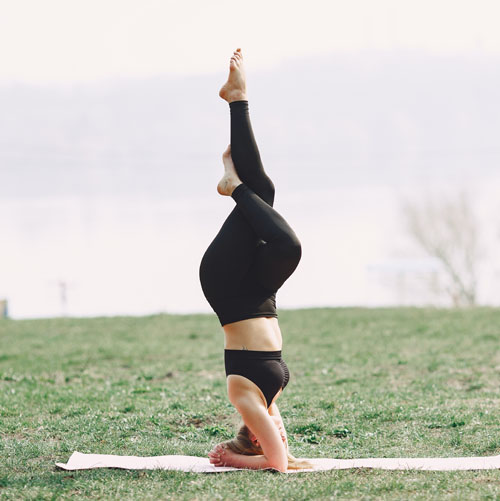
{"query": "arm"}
pixel 251 404
pixel 275 454
pixel 263 426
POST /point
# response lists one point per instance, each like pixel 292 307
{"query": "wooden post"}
pixel 4 313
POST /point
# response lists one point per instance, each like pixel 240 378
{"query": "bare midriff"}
pixel 259 334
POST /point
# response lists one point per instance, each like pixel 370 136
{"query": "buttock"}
pixel 266 369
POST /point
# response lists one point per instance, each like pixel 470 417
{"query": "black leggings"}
pixel 255 251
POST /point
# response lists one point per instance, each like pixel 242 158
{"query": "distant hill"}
pixel 362 118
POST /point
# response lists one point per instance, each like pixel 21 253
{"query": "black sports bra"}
pixel 256 302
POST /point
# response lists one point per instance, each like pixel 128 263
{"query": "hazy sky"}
pixel 74 40
pixel 134 253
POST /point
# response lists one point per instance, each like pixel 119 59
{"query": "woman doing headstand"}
pixel 253 254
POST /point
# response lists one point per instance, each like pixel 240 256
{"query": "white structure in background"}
pixel 415 281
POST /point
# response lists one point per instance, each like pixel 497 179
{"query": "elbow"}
pixel 279 464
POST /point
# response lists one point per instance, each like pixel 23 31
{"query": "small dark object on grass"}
pixel 341 433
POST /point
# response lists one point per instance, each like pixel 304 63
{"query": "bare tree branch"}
pixel 446 229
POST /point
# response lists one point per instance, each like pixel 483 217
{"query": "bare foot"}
pixel 235 88
pixel 230 179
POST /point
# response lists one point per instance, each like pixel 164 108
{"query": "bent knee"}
pixel 268 192
pixel 291 248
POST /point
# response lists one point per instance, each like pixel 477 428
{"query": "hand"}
pixel 281 428
pixel 221 455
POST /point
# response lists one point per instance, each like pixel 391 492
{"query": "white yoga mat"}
pixel 80 461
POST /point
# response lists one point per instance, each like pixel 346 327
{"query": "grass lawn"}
pixel 364 383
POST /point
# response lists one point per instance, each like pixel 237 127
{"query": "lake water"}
pixel 134 255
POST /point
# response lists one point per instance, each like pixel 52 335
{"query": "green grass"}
pixel 365 382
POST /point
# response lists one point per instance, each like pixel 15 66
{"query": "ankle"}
pixel 234 191
pixel 236 95
pixel 233 187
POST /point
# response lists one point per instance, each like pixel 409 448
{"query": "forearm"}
pixel 222 455
pixel 251 462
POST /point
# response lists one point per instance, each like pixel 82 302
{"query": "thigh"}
pixel 230 255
